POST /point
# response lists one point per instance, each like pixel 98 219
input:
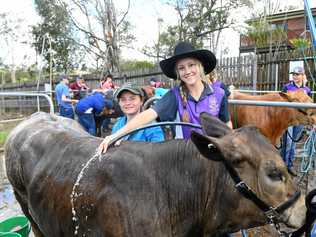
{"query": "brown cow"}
pixel 272 121
pixel 175 188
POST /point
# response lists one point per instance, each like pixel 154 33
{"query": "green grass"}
pixel 3 137
pixel 5 129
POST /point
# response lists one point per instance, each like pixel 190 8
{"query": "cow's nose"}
pixel 297 213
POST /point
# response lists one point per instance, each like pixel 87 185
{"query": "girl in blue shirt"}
pixel 131 100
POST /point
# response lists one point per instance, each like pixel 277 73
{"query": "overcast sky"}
pixel 143 15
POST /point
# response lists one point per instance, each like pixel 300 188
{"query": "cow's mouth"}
pixel 291 219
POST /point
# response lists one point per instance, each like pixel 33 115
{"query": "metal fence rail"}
pixel 18 94
pixel 273 104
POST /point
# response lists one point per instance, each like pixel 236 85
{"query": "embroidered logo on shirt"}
pixel 213 105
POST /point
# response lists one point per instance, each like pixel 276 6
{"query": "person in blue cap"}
pixel 89 106
pixel 293 133
pixel 131 99
pixel 186 101
pixel 63 99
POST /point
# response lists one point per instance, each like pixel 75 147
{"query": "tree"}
pixel 104 33
pixel 56 27
pixel 131 65
pixel 164 45
pixel 261 32
pixel 199 22
pixel 9 32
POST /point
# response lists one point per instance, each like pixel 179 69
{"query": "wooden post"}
pixel 254 72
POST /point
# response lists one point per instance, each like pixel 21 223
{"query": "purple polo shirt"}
pixel 293 87
pixel 210 103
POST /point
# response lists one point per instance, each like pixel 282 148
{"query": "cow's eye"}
pixel 275 175
pixel 238 163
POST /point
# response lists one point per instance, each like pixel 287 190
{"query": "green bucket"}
pixel 10 234
pixel 16 224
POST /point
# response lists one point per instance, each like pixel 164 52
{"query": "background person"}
pixel 107 86
pixel 79 87
pixel 157 85
pixel 293 133
pixel 185 102
pixel 219 84
pixel 107 82
pixel 63 99
pixel 90 105
pixel 131 99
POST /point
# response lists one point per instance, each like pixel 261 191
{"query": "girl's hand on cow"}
pixel 105 144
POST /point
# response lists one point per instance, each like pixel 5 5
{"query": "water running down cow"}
pixel 143 189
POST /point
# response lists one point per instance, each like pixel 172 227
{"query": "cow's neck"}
pixel 206 186
pixel 279 120
pixel 288 118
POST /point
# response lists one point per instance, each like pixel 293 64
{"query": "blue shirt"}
pixel 160 92
pixel 154 134
pixel 60 90
pixel 94 103
pixel 167 106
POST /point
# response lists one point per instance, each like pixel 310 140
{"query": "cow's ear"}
pixel 285 96
pixel 212 126
pixel 207 146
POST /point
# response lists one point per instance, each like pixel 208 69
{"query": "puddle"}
pixel 6 195
pixel 8 204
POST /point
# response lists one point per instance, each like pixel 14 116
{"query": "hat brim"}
pixel 206 57
pixel 121 90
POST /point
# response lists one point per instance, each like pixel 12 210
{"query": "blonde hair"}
pixel 184 90
pixel 212 76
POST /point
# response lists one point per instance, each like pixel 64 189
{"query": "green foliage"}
pixel 300 43
pixel 56 24
pixel 22 74
pixel 262 35
pixel 130 65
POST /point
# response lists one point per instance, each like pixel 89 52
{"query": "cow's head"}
pixel 301 116
pixel 258 164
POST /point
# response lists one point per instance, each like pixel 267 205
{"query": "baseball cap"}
pixel 298 70
pixel 62 77
pixel 154 79
pixel 127 87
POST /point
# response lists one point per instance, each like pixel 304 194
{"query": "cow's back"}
pixel 42 155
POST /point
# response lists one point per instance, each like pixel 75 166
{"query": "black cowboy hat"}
pixel 185 50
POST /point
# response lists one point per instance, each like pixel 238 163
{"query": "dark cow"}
pixel 175 188
pixel 272 121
